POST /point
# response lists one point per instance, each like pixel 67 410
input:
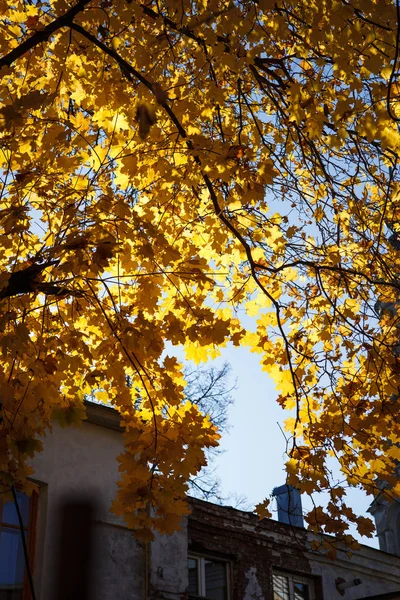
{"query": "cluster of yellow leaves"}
pixel 165 165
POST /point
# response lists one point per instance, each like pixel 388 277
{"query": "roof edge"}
pixel 104 416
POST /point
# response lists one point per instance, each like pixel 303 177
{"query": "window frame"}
pixel 201 574
pixel 295 578
pixel 30 536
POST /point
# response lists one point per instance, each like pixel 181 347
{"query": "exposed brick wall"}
pixel 253 547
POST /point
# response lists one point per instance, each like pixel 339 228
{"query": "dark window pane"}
pixel 216 588
pixel 301 591
pixel 11 594
pixel 12 562
pixel 281 587
pixel 9 514
pixel 193 587
pixel 11 558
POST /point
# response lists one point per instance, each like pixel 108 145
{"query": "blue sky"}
pixel 252 463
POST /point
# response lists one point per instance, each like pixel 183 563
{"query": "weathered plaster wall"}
pixel 387 522
pixel 253 589
pixel 379 573
pixel 168 560
pixel 82 461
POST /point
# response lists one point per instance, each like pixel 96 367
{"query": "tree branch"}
pixel 43 35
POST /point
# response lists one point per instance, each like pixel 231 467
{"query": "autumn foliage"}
pixel 167 165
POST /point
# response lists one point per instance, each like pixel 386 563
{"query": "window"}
pixel 292 587
pixel 208 578
pixel 13 582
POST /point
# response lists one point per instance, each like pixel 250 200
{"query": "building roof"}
pixel 102 415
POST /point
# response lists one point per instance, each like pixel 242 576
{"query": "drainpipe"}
pixel 147 561
pixel 147 565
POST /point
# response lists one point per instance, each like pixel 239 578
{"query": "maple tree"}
pixel 166 165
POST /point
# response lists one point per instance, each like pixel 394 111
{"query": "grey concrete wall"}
pixel 82 461
pixel 168 565
pixel 379 573
pixel 387 522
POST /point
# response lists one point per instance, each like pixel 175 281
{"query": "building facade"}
pixel 387 521
pixel 219 553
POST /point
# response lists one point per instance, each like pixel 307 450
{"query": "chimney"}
pixel 288 500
